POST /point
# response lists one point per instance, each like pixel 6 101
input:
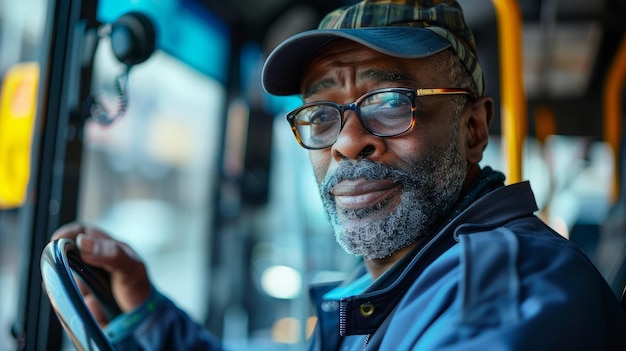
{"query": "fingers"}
pixel 72 229
pixel 97 250
pixel 68 231
pixel 129 279
pixel 106 252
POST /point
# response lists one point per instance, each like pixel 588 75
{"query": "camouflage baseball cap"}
pixel 398 28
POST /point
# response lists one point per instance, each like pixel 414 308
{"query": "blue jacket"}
pixel 494 277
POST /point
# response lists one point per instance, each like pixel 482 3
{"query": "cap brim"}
pixel 283 68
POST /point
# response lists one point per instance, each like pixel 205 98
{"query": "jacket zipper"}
pixel 367 339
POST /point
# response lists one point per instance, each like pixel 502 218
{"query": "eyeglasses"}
pixel 384 113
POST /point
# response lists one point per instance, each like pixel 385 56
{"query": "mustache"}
pixel 350 169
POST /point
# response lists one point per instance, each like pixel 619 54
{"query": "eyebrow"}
pixel 317 86
pixel 388 76
pixel 375 75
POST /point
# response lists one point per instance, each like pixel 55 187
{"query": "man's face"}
pixel 382 194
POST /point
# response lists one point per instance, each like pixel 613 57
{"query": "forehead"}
pixel 342 60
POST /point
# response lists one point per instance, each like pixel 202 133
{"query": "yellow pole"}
pixel 612 105
pixel 513 99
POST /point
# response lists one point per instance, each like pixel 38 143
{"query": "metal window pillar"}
pixel 57 150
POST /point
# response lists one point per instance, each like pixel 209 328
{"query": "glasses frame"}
pixel 412 94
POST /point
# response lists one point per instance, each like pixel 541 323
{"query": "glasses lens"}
pixel 387 113
pixel 318 126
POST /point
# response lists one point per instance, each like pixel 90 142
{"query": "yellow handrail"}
pixel 612 105
pixel 513 98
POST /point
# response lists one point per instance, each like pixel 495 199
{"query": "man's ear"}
pixel 477 123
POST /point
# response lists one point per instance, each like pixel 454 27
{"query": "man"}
pixel 396 121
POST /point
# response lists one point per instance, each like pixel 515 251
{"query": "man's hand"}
pixel 129 279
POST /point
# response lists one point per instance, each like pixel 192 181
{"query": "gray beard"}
pixel 428 191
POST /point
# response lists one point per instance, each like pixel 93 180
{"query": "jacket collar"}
pixel 364 313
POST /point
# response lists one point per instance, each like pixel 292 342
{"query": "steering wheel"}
pixel 60 266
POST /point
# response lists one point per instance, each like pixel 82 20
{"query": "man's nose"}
pixel 354 140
